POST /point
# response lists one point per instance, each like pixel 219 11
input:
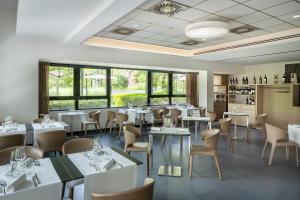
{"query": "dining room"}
pixel 149 99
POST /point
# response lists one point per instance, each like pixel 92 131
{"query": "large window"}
pixel 128 87
pixel 87 87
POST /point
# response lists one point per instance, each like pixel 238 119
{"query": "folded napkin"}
pixel 155 128
pixel 28 162
pixel 17 183
pixel 108 165
pixel 182 129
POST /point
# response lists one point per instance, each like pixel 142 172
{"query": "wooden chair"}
pixel 225 124
pixel 158 116
pixel 11 141
pixel 141 193
pixel 260 122
pixel 122 120
pixel 212 117
pixel 51 141
pixel 131 133
pixel 175 116
pixel 30 151
pixel 77 145
pixel 278 137
pixel 210 148
pixel 94 120
pixel 111 120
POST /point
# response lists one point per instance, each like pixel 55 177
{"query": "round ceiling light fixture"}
pixel 207 29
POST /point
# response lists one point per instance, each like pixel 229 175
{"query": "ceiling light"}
pixel 206 29
pixel 123 30
pixel 296 16
pixel 190 42
pixel 168 8
pixel 243 29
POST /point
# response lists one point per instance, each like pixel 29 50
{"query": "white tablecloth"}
pixel 294 133
pixel 61 115
pixel 38 128
pixel 115 180
pixel 49 189
pixel 21 129
pixel 134 114
pixel 185 111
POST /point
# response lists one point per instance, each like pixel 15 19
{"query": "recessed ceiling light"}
pixel 135 25
pixel 168 8
pixel 243 29
pixel 206 29
pixel 123 30
pixel 190 42
pixel 296 16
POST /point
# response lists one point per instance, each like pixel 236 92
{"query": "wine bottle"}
pixel 247 100
pixel 265 79
pixel 260 80
pixel 283 79
pixel 247 80
pixel 244 80
pixel 254 80
pixel 236 81
pixel 275 79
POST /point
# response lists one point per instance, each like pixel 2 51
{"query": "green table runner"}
pixel 126 155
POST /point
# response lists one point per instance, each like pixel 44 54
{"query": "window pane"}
pixel 178 100
pixel 92 82
pixel 160 83
pixel 179 83
pixel 128 86
pixel 92 103
pixel 159 101
pixel 61 104
pixel 61 81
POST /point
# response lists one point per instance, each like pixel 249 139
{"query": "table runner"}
pixel 66 169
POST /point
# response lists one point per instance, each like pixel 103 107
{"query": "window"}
pixel 89 87
pixel 92 82
pixel 160 83
pixel 128 86
pixel 179 84
pixel 61 81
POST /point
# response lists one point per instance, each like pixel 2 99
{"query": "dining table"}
pixel 71 115
pixel 235 115
pixel 55 174
pixel 169 169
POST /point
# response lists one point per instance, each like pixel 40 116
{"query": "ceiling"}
pixel 268 16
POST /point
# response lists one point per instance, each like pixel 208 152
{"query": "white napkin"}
pixel 155 128
pixel 182 129
pixel 108 165
pixel 17 183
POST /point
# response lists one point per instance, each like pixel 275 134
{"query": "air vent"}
pixel 243 29
pixel 190 42
pixel 123 30
pixel 168 8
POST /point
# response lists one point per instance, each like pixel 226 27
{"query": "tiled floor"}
pixel 246 175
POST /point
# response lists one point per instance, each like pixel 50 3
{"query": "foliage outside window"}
pixel 160 83
pixel 61 104
pixel 128 86
pixel 179 84
pixel 92 82
pixel 92 103
pixel 61 81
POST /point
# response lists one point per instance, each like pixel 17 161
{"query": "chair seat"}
pixel 89 122
pixel 200 149
pixel 139 147
pixel 142 145
pixel 286 142
pixel 204 134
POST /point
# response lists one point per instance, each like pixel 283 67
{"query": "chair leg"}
pixel 163 141
pixel 148 163
pixel 272 154
pixel 230 144
pixel 297 156
pixel 81 126
pixel 248 134
pixel 71 193
pixel 85 126
pixel 287 153
pixel 218 166
pixel 263 152
pixel 190 165
pixel 181 141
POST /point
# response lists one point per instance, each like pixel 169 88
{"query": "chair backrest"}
pixel 95 115
pixel 111 115
pixel 38 120
pixel 130 135
pixel 158 113
pixel 31 152
pixel 11 141
pixel 121 118
pixel 261 119
pixel 225 125
pixel 274 133
pixel 175 113
pixel 212 138
pixel 202 111
pixel 141 193
pixel 211 115
pixel 77 145
pixel 166 111
pixel 51 141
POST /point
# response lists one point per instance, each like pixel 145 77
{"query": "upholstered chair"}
pixel 93 120
pixel 77 145
pixel 158 116
pixel 111 120
pixel 225 125
pixel 11 141
pixel 121 121
pixel 260 122
pixel 30 151
pixel 212 117
pixel 51 141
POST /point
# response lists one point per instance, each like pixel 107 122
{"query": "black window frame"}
pixel 76 86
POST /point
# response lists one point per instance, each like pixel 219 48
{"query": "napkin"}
pixel 182 129
pixel 108 165
pixel 17 183
pixel 27 162
pixel 155 128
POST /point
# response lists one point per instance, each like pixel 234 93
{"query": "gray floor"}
pixel 246 175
